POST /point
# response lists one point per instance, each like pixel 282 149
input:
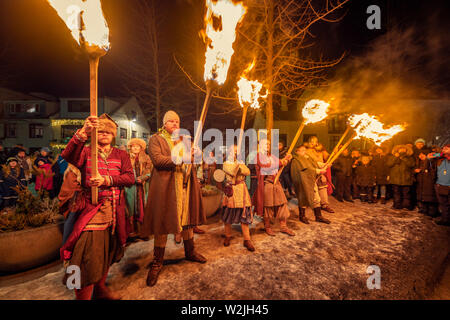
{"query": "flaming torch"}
pixel 221 19
pixel 369 127
pixel 313 112
pixel 85 20
pixel 249 94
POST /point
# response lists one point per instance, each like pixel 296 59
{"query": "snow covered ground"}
pixel 320 262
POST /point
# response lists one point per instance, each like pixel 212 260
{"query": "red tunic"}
pixel 118 167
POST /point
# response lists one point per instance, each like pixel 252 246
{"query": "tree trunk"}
pixel 269 70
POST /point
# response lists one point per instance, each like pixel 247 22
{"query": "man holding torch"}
pixel 173 205
pixel 98 236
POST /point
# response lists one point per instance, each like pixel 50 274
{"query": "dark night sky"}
pixel 42 56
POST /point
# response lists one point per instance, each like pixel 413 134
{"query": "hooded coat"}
pixel 401 168
pixel 304 175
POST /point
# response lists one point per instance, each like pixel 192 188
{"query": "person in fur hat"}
pixel 366 179
pixel 98 237
pixel 401 164
pixel 174 203
pixel 425 171
pixel 11 176
pixel 381 172
pixel 136 195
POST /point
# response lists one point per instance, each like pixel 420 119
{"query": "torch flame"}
pixel 315 111
pixel 85 20
pixel 249 91
pixel 222 18
pixel 369 127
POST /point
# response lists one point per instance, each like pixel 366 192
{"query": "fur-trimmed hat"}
pixel 107 124
pixel 137 141
pixel 420 140
pixel 170 115
pixel 11 159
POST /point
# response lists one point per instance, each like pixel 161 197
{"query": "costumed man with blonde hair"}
pixel 136 195
pixel 174 204
pixel 98 235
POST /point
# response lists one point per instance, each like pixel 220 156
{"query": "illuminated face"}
pixel 40 163
pixel 232 154
pixel 301 151
pixel 365 160
pixel 44 153
pixel 419 145
pixel 135 149
pixel 355 154
pixel 345 152
pixel 21 154
pixel 402 150
pixel 104 137
pixel 379 151
pixel 172 125
pixel 313 142
pixel 13 164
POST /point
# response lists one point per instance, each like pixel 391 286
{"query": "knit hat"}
pixel 170 115
pixel 137 141
pixel 107 124
pixel 419 140
pixel 45 149
pixel 10 159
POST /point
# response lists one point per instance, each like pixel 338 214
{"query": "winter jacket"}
pixel 401 168
pixel 365 175
pixel 343 166
pixel 9 180
pixel 426 180
pixel 44 180
pixel 381 169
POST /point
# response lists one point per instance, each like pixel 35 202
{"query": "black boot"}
pixel 156 266
pixel 190 252
pixel 319 217
pixel 302 215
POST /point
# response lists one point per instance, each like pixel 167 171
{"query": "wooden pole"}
pixel 331 160
pixel 93 64
pixel 291 147
pixel 338 144
pixel 241 134
pixel 209 91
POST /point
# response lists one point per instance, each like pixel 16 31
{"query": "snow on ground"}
pixel 320 262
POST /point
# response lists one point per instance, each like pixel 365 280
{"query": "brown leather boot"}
pixel 227 241
pixel 190 252
pixel 302 215
pixel 267 227
pixel 249 245
pixel 319 217
pixel 198 230
pixel 156 266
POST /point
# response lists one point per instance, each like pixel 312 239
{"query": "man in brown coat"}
pixel 172 205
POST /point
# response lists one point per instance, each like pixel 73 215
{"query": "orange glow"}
pixel 369 127
pixel 85 20
pixel 315 111
pixel 249 91
pixel 222 18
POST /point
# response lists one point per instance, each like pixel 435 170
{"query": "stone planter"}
pixel 211 203
pixel 31 248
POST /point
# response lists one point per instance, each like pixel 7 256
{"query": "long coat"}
pixel 381 169
pixel 241 196
pixel 365 175
pixel 426 180
pixel 343 166
pixel 161 213
pixel 303 175
pixel 401 168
